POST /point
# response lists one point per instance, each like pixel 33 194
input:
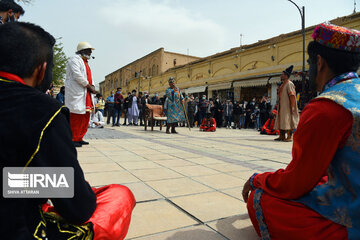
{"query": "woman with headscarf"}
pixel 175 108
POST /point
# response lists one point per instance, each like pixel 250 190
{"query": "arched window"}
pixel 153 70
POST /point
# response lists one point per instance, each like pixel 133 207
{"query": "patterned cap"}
pixel 171 80
pixel 337 37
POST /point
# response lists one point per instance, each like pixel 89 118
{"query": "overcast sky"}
pixel 122 31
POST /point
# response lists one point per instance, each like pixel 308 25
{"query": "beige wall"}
pixel 252 62
pixel 248 65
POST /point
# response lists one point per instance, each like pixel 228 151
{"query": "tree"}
pixel 25 1
pixel 60 61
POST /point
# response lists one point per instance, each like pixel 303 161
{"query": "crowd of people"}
pixel 251 114
pixel 314 197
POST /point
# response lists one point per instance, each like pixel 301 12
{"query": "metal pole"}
pixel 303 67
pixel 302 14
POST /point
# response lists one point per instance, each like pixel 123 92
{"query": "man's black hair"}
pixel 338 61
pixel 24 47
pixel 18 9
pixel 6 5
pixel 119 88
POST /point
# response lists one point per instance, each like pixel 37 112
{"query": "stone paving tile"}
pixel 85 160
pixel 139 165
pixel 235 227
pixel 157 157
pixel 234 192
pixel 201 174
pixel 193 171
pixel 143 192
pixel 112 153
pixel 100 167
pixel 210 206
pixel 91 154
pixel 204 160
pixel 243 157
pixel 270 164
pixel 155 174
pixel 245 175
pixel 200 232
pixel 178 187
pixel 124 158
pixel 174 163
pixel 228 167
pixel 220 181
pixel 105 178
pixel 155 217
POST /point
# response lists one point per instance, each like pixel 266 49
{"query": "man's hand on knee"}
pixel 246 190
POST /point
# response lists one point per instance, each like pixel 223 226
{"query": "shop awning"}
pixel 219 86
pixel 256 82
pixel 199 89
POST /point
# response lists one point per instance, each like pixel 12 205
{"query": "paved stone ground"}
pixel 187 185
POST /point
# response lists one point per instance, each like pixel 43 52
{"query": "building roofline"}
pixel 184 55
pixel 265 42
pixel 157 50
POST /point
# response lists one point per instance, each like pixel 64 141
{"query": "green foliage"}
pixel 60 61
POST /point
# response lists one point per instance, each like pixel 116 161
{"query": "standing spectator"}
pixel 242 116
pixel 257 117
pixel 118 103
pixel 211 107
pixel 61 95
pixel 110 107
pixel 144 101
pixel 153 99
pixel 236 114
pixel 218 112
pixel 264 115
pixel 250 107
pixel 140 101
pixel 126 107
pixel 228 112
pixel 156 100
pixel 101 104
pixel 203 106
pixel 287 118
pixel 197 114
pixel 79 92
pixel 133 109
pixel 191 110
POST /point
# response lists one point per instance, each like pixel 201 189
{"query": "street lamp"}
pixel 302 14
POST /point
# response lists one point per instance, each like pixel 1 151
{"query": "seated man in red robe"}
pixel 317 195
pixel 208 124
pixel 268 127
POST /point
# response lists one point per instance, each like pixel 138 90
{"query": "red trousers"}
pixel 112 216
pixel 208 129
pixel 79 124
pixel 287 219
pixel 111 219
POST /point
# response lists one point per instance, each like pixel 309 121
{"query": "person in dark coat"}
pixel 218 113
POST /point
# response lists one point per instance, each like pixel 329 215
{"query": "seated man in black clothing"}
pixel 36 133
